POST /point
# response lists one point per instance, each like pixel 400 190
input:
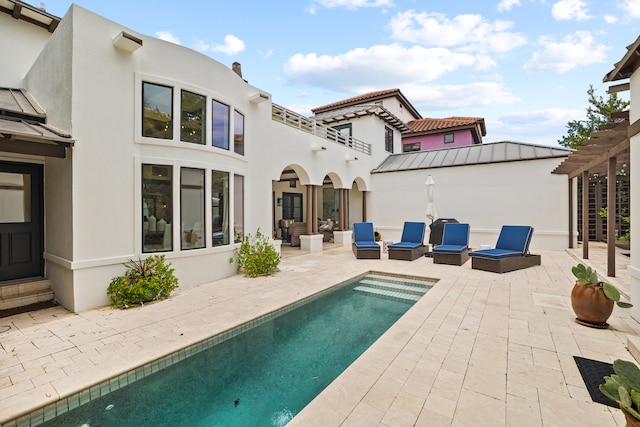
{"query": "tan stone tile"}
pixel 562 410
pixel 363 415
pixel 440 405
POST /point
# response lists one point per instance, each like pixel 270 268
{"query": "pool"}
pixel 259 374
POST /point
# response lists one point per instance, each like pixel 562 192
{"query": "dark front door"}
pixel 21 221
pixel 292 206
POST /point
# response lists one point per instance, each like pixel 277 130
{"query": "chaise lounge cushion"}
pixel 410 246
pixel 364 244
pixel 513 241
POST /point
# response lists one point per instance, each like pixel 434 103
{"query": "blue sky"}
pixel 523 65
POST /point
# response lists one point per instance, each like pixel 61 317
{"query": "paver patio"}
pixel 478 349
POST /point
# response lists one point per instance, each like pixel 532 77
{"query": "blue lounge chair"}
pixel 454 249
pixel 511 251
pixel 364 245
pixel 411 245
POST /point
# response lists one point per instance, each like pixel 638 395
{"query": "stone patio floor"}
pixel 479 349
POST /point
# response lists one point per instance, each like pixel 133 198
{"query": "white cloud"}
pixel 573 51
pixel 544 126
pixel 610 19
pixel 467 32
pixel 565 10
pixel 167 36
pixel 231 46
pixel 378 65
pixel 506 5
pixel 201 45
pixel 349 4
pixel 444 97
pixel 632 7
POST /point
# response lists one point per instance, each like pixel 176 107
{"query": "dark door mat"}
pixel 593 373
pixel 24 309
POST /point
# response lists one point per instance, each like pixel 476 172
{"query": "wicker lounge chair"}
pixel 511 251
pixel 454 249
pixel 364 245
pixel 411 245
pixel 296 229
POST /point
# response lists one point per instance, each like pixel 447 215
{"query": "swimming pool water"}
pixel 262 377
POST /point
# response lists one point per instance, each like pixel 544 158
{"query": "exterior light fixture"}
pixel 258 98
pixel 127 42
pixel 350 158
pixel 318 148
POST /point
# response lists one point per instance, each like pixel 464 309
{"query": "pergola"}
pixel 606 152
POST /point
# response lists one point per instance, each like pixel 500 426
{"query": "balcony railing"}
pixel 305 124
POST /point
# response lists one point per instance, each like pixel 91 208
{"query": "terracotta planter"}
pixel 631 420
pixel 591 305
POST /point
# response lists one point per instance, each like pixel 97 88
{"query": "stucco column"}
pixel 309 209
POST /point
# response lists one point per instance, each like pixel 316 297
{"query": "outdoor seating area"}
pixel 454 249
pixel 411 244
pixel 510 253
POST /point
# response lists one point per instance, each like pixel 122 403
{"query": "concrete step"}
pixel 388 294
pixel 24 293
pixel 426 283
pixel 390 286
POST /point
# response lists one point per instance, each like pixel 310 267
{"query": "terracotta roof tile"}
pixel 358 99
pixel 431 124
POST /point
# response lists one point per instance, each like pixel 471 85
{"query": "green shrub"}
pixel 145 280
pixel 256 256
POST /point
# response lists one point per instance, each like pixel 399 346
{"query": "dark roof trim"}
pixel 23 137
pixel 624 68
pixel 369 98
pixel 349 113
pixel 33 15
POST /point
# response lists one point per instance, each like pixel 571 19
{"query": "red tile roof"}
pixel 430 124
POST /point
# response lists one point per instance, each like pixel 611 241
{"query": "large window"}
pixel 192 208
pixel 388 139
pixel 220 125
pixel 219 208
pixel 238 208
pixel 238 132
pixel 157 111
pixel 157 208
pixel 192 120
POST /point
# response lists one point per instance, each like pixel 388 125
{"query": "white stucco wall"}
pixel 20 44
pixel 485 196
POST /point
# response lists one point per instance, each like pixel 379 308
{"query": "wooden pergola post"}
pixel 611 217
pixel 585 214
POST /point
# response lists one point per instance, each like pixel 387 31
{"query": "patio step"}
pixel 396 296
pixel 25 293
pixel 413 290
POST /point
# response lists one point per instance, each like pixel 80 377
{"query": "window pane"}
pixel 238 208
pixel 238 132
pixel 388 139
pixel 15 193
pixel 220 208
pixel 193 118
pixel 157 208
pixel 192 208
pixel 157 111
pixel 448 138
pixel 220 126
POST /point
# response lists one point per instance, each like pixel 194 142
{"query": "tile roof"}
pixel 495 152
pixel 430 124
pixel 368 98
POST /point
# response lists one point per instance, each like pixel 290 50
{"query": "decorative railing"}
pixel 305 124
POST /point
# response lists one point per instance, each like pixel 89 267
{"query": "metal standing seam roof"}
pixel 495 152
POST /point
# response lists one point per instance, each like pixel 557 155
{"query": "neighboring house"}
pixel 115 145
pixel 431 134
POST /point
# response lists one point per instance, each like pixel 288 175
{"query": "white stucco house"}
pixel 115 145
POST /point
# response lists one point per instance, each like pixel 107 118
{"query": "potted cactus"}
pixel 623 387
pixel 592 299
